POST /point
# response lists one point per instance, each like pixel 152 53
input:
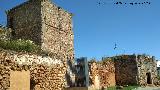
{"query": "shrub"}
pixel 19 45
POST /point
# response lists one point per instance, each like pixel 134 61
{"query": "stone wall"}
pixel 147 65
pixel 134 69
pixel 57 30
pixel 5 33
pixel 93 72
pixel 102 74
pixel 25 20
pixel 46 73
pixel 124 70
pixel 107 73
pixel 46 24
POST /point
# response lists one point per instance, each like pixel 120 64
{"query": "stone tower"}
pixel 45 24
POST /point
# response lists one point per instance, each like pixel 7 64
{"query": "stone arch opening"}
pixel 149 80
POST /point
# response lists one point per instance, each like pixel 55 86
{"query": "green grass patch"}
pixel 19 45
pixel 124 88
pixel 111 88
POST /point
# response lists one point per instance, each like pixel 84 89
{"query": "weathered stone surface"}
pixel 124 70
pixel 45 72
pixel 46 25
pixel 102 74
pixel 5 33
pixel 147 67
pixel 50 27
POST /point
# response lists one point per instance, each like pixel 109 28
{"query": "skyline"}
pixel 97 28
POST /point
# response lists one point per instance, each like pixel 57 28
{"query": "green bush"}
pixel 19 45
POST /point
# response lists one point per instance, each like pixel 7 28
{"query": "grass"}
pixel 19 45
pixel 124 88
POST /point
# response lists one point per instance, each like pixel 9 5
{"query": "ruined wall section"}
pixel 102 73
pixel 25 20
pixel 146 64
pixel 107 73
pixel 93 73
pixel 57 31
pixel 46 24
pixel 46 73
pixel 126 70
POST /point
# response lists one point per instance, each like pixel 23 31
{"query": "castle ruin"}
pixel 49 27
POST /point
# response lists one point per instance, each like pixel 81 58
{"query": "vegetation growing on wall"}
pixel 19 45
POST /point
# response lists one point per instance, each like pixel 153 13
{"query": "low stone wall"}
pixel 45 73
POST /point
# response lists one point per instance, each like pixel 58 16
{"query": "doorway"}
pixel 149 80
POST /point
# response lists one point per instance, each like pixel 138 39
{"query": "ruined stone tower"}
pixel 45 24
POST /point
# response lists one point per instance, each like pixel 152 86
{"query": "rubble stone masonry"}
pixel 45 73
pixel 5 33
pixel 50 27
pixel 123 70
pixel 102 74
pixel 44 23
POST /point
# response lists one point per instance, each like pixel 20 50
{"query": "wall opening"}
pixel 149 80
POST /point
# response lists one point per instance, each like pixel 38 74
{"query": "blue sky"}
pixel 135 29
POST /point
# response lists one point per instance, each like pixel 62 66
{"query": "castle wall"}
pixel 57 30
pixel 147 65
pixel 45 73
pixel 25 20
pixel 126 70
pixel 102 74
pixel 107 73
pixel 46 24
